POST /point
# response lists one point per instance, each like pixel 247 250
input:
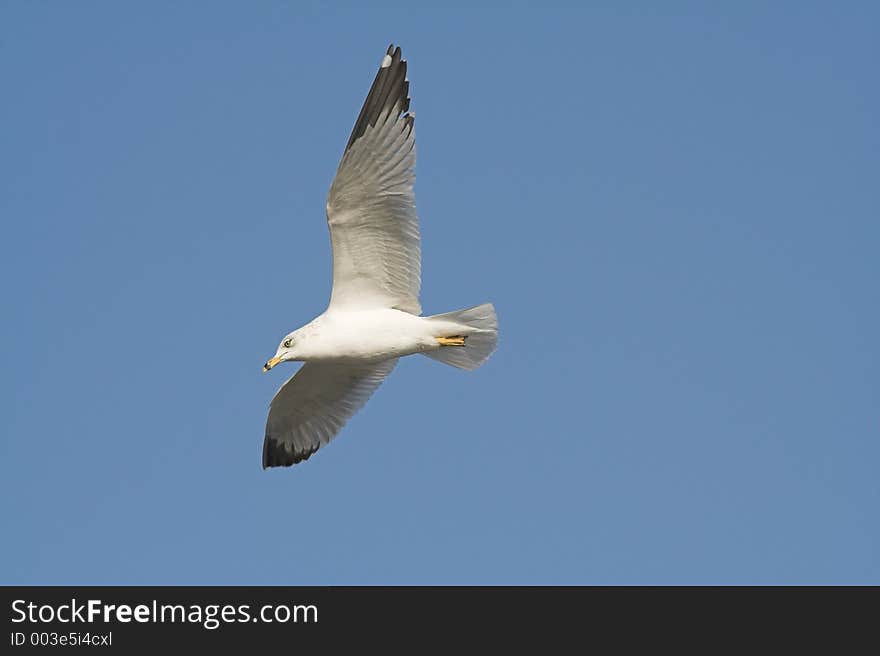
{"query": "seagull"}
pixel 374 315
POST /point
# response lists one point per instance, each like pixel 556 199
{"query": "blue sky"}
pixel 675 212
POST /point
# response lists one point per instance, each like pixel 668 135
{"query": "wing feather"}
pixel 371 211
pixel 313 406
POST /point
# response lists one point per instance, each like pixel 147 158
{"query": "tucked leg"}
pixel 455 340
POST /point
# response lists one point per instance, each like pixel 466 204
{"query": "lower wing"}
pixel 313 406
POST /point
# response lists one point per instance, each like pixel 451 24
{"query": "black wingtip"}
pixel 276 454
pixel 390 88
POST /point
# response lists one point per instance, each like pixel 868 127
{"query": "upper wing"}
pixel 314 404
pixel 371 207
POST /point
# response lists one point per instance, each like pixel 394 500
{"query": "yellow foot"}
pixel 456 340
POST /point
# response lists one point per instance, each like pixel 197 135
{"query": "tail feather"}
pixel 478 325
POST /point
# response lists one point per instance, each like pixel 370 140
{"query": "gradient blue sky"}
pixel 674 210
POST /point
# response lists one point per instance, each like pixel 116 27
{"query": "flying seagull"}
pixel 373 317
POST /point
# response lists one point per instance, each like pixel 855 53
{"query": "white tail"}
pixel 478 325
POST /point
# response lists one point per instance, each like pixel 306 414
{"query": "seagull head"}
pixel 286 352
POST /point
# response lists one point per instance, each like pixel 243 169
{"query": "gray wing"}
pixel 371 208
pixel 313 406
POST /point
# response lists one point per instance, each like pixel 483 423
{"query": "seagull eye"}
pixel 286 343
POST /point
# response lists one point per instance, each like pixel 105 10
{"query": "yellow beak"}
pixel 271 363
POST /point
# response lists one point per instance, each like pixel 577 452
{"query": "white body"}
pixel 369 335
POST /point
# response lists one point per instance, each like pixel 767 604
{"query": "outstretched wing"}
pixel 311 408
pixel 371 206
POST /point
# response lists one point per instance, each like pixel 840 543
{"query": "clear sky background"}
pixel 675 210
